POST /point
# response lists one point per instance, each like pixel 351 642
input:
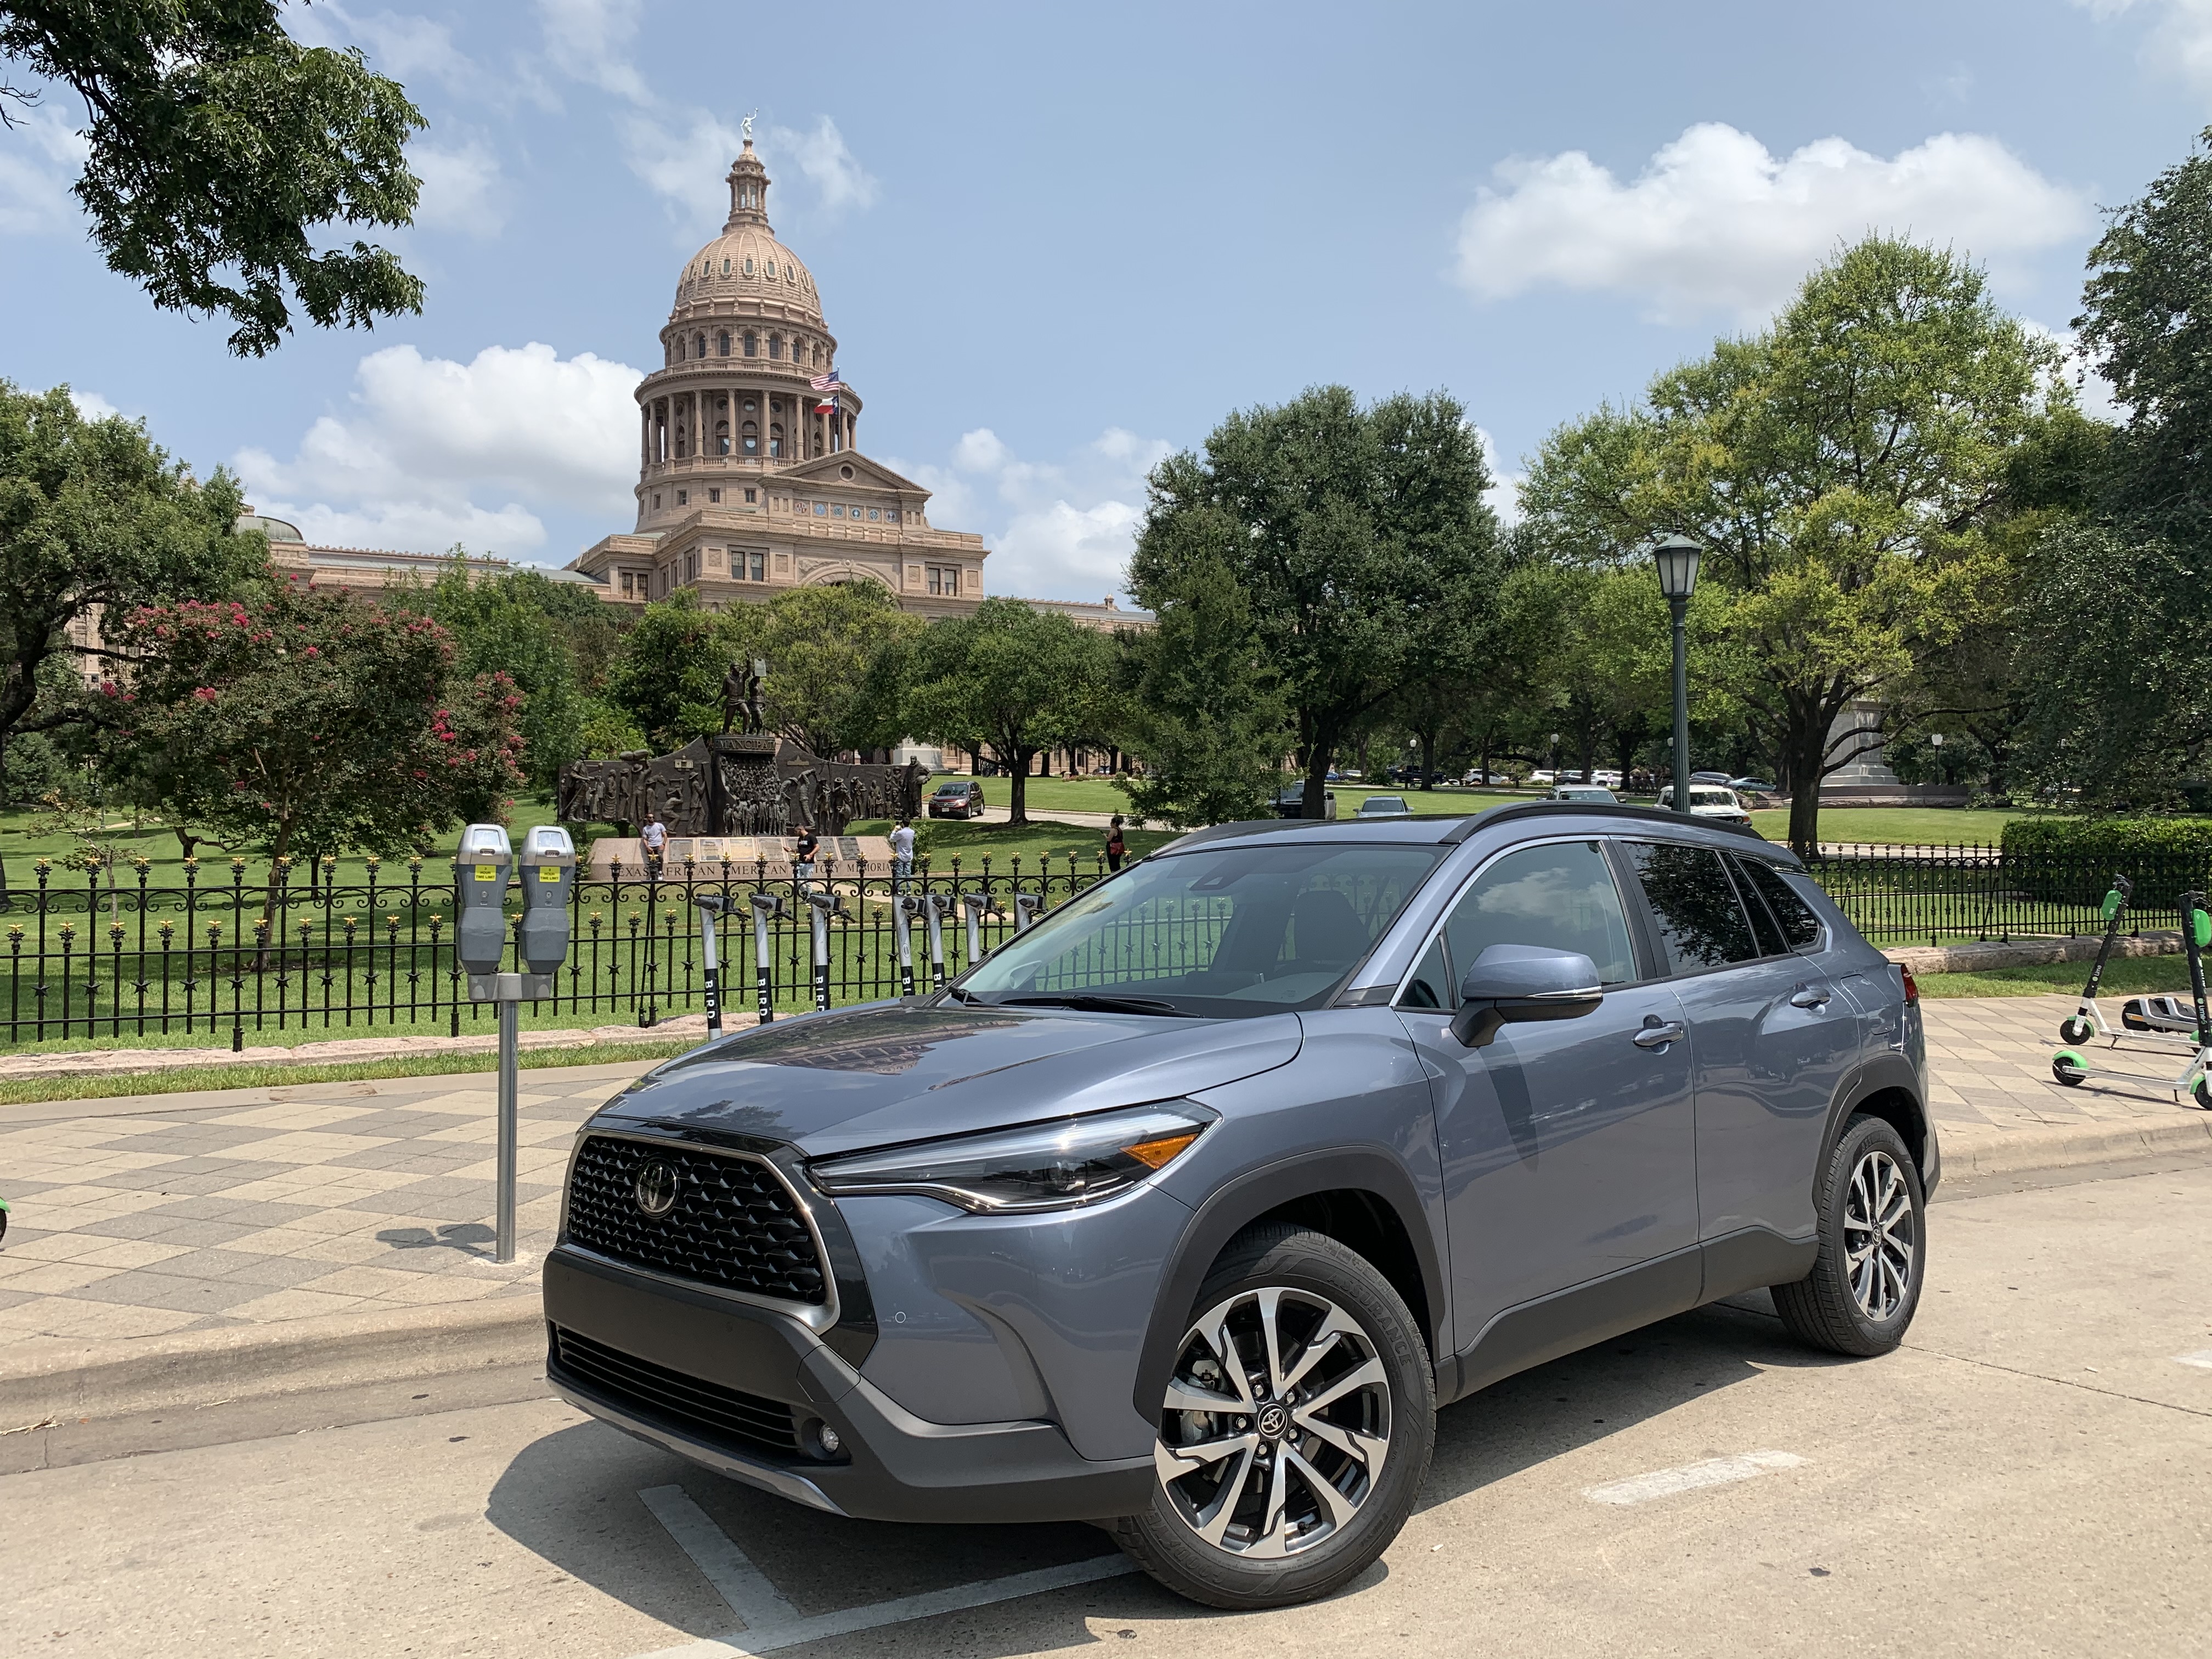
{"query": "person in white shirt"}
pixel 653 838
pixel 902 856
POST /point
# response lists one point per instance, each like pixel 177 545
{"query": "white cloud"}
pixel 1056 530
pixel 462 188
pixel 1504 494
pixel 839 180
pixel 2180 39
pixel 1715 222
pixel 431 452
pixel 39 159
pixel 91 406
pixel 408 49
pixel 687 166
pixel 2091 389
pixel 589 40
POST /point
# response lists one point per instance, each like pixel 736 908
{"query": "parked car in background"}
pixel 1543 775
pixel 1384 806
pixel 1291 802
pixel 962 797
pixel 1709 777
pixel 1610 779
pixel 1480 779
pixel 1709 802
pixel 1752 786
pixel 1596 794
pixel 1189 1230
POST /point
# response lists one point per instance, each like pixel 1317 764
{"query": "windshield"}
pixel 1710 798
pixel 1246 930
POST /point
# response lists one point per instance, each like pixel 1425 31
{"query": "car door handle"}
pixel 1810 996
pixel 1658 1036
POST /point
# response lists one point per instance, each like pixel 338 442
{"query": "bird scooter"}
pixel 2068 1067
pixel 2157 1019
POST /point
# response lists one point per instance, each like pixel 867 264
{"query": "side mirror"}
pixel 1510 983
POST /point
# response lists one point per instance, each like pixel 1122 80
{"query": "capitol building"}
pixel 750 479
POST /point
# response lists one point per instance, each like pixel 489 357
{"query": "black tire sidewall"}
pixel 1861 1136
pixel 1297 1259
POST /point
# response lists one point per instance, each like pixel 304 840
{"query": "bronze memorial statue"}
pixel 737 783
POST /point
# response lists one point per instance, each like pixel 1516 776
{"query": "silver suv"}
pixel 1184 1211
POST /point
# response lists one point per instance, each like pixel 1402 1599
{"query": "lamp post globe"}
pixel 1676 559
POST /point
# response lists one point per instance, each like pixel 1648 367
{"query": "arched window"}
pixel 749 264
pixel 721 437
pixel 752 343
pixel 751 435
pixel 722 343
pixel 817 355
pixel 680 435
pixel 775 346
pixel 771 271
pixel 775 441
pixel 726 267
pixel 701 349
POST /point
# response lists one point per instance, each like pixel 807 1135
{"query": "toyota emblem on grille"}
pixel 656 1189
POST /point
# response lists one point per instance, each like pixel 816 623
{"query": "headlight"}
pixel 1040 1166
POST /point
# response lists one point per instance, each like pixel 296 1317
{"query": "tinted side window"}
pixel 1764 928
pixel 1430 986
pixel 1701 924
pixel 1800 925
pixel 1560 896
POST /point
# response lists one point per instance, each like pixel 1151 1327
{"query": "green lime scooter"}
pixel 2157 1019
pixel 2068 1067
pixel 4 1218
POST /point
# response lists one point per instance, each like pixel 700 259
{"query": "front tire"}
pixel 1865 1283
pixel 1294 1432
pixel 2075 1029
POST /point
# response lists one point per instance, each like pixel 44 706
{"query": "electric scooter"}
pixel 2068 1067
pixel 2153 1019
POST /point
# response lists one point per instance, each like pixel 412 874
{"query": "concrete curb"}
pixel 2029 952
pixel 68 1381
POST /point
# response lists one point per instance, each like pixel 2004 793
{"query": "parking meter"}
pixel 1026 905
pixel 975 907
pixel 767 906
pixel 933 906
pixel 549 882
pixel 480 870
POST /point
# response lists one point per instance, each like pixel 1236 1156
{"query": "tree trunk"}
pixel 1805 754
pixel 1017 799
pixel 1428 759
pixel 1318 755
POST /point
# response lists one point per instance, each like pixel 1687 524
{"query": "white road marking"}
pixel 735 1578
pixel 846 1620
pixel 1713 1472
pixel 2201 1359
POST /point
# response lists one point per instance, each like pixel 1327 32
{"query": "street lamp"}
pixel 1676 559
pixel 1937 740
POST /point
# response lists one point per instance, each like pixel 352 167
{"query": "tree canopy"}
pixel 219 147
pixel 1842 470
pixel 1359 538
pixel 94 517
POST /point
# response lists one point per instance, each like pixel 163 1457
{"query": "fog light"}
pixel 817 1439
pixel 831 1445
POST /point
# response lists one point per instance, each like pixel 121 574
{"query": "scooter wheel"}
pixel 2200 1091
pixel 2069 1068
pixel 2075 1030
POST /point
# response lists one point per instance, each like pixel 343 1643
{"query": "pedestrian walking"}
pixel 1116 848
pixel 901 855
pixel 653 838
pixel 802 857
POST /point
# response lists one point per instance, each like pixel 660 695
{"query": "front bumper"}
pixel 891 1465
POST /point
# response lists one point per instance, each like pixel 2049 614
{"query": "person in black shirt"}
pixel 1116 848
pixel 803 856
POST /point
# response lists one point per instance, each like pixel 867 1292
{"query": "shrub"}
pixel 2072 860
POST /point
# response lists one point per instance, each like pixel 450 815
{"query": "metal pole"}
pixel 766 906
pixel 933 910
pixel 509 1017
pixel 713 985
pixel 1681 609
pixel 902 909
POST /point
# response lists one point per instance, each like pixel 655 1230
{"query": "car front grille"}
pixel 675 1398
pixel 734 1224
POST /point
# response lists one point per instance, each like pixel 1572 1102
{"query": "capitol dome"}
pixel 745 271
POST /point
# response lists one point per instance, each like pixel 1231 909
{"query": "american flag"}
pixel 829 382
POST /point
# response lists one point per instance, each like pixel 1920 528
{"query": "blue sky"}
pixel 1056 242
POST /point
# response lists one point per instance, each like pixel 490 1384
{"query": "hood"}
pixel 871 1077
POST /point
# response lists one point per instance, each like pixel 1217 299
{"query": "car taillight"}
pixel 1911 985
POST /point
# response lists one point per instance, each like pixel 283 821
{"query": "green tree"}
pixel 502 625
pixel 1842 470
pixel 1201 708
pixel 1359 539
pixel 312 720
pixel 94 519
pixel 823 646
pixel 218 147
pixel 667 679
pixel 1008 682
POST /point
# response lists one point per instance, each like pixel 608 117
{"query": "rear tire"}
pixel 2068 1068
pixel 1299 1491
pixel 1864 1287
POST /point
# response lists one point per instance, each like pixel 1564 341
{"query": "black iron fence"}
pixel 95 952
pixel 1899 895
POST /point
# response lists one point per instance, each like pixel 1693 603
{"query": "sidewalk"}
pixel 196 1229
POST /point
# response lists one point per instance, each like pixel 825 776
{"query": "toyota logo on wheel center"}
pixel 1274 1420
pixel 656 1189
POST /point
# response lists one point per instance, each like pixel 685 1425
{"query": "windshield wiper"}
pixel 1098 1004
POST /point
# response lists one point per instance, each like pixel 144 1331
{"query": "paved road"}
pixel 2027 1477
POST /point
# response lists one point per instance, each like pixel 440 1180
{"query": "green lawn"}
pixel 2129 976
pixel 943 839
pixel 1920 826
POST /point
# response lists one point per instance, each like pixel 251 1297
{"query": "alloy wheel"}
pixel 1880 1236
pixel 1275 1425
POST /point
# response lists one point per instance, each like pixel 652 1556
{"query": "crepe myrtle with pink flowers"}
pixel 306 721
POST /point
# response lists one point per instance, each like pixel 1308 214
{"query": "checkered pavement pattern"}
pixel 250 1206
pixel 138 1218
